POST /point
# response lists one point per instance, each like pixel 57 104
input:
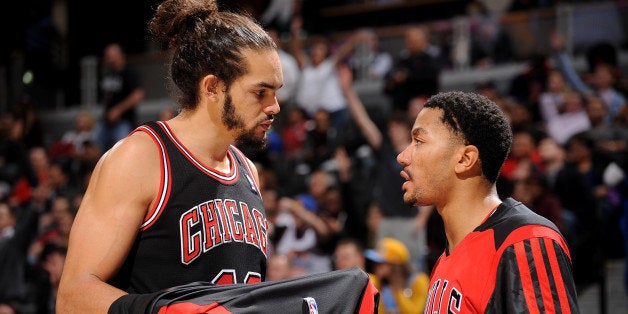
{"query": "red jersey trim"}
pixel 165 181
pixel 224 178
pixel 249 169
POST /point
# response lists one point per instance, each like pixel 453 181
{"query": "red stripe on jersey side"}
pixel 526 278
pixel 544 283
pixel 188 307
pixel 558 277
pixel 164 185
pixel 225 178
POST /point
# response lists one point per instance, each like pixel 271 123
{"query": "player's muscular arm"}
pixel 121 189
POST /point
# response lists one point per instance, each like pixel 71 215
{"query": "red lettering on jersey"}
pixel 261 227
pixel 237 231
pixel 218 222
pixel 230 206
pixel 249 225
pixel 228 276
pixel 455 301
pixel 191 242
pixel 435 294
pixel 211 225
pixel 439 292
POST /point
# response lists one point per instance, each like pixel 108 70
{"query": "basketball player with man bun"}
pixel 175 201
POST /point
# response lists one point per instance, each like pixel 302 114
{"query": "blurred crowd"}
pixel 329 177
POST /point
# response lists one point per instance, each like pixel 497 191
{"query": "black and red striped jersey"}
pixel 514 262
pixel 206 225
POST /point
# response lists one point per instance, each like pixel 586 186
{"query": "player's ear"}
pixel 468 160
pixel 210 85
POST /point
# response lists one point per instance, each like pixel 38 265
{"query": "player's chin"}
pixel 408 198
pixel 410 201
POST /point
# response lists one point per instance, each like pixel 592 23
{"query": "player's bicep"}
pixel 533 276
pixel 112 210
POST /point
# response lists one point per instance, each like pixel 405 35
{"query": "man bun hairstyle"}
pixel 203 40
pixel 479 122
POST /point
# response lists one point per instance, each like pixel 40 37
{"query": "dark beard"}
pixel 250 141
pixel 246 139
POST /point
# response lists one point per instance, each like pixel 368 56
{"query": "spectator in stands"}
pixel 349 253
pixel 16 173
pixel 611 139
pixel 40 162
pixel 490 43
pixel 527 86
pixel 294 134
pixel 524 157
pixel 279 13
pixel 321 141
pixel 18 226
pixel 553 156
pixel 279 267
pixel 290 69
pixel 490 90
pixel 416 72
pixel 566 118
pixel 25 112
pixel 534 192
pixel 345 204
pixel 398 219
pixel 59 181
pixel 274 216
pixel 369 61
pixel 577 186
pixel 50 268
pixel 57 232
pixel 300 235
pixel 122 92
pixel 58 207
pixel 82 132
pixel 402 289
pixel 318 87
pixel 601 81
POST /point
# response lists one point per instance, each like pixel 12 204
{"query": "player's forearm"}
pixel 89 295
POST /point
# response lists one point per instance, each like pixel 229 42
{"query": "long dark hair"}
pixel 203 40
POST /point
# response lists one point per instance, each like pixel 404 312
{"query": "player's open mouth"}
pixel 404 175
pixel 266 125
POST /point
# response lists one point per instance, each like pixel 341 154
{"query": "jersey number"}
pixel 228 276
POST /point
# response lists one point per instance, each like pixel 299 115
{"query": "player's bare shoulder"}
pixel 133 161
pixel 138 150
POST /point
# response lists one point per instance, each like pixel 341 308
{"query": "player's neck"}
pixel 463 215
pixel 204 141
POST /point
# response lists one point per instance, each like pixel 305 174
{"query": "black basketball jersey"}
pixel 206 225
